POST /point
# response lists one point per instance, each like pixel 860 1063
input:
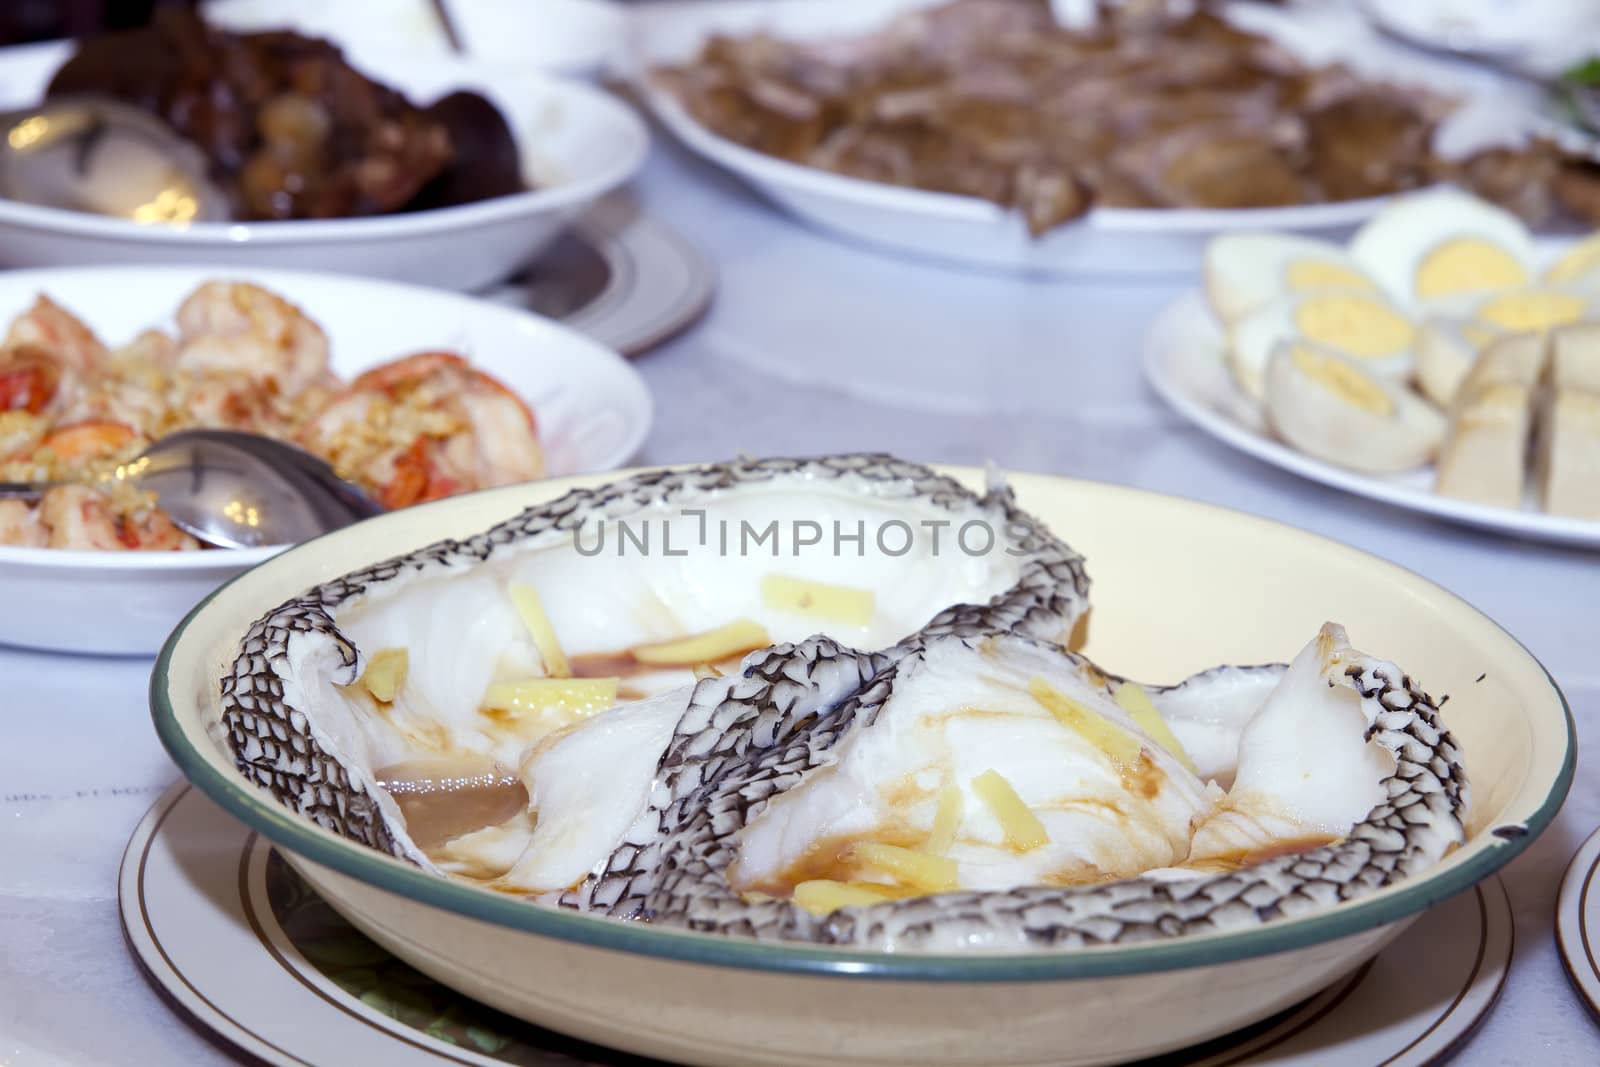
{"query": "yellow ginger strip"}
pixel 1132 698
pixel 1022 827
pixel 386 673
pixel 839 603
pixel 1113 740
pixel 585 696
pixel 915 870
pixel 702 671
pixel 738 636
pixel 821 896
pixel 946 822
pixel 531 608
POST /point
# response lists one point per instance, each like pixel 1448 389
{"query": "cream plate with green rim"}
pixel 1231 589
pixel 239 944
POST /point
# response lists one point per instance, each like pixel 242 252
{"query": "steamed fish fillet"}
pixel 1305 769
pixel 958 712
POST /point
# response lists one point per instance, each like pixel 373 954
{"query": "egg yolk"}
pixel 1468 264
pixel 1343 381
pixel 1306 274
pixel 1532 311
pixel 1355 325
pixel 1583 258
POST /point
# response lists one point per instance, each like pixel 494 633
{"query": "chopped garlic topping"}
pixel 1131 698
pixel 531 608
pixel 583 696
pixel 1021 826
pixel 386 673
pixel 837 603
pixel 1113 740
pixel 741 635
pixel 914 870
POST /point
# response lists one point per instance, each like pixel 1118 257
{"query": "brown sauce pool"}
pixel 443 799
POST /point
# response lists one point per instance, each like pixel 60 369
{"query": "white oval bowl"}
pixel 577 143
pixel 961 229
pixel 592 407
pixel 1230 589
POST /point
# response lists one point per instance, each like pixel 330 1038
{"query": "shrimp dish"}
pixel 73 409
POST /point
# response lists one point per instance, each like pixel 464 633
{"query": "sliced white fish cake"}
pixel 1484 457
pixel 1306 770
pixel 1364 326
pixel 1243 271
pixel 1329 406
pixel 957 715
pixel 1441 244
pixel 1447 347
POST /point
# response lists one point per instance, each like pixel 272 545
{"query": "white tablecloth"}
pixel 811 346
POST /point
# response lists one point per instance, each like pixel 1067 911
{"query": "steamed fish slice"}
pixel 1306 769
pixel 1208 712
pixel 587 785
pixel 300 728
pixel 1045 797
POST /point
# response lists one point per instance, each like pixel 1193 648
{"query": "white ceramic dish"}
pixel 1107 241
pixel 1232 588
pixel 577 143
pixel 235 941
pixel 592 408
pixel 1184 364
pixel 567 36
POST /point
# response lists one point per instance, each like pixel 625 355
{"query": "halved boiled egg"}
pixel 1363 326
pixel 1533 309
pixel 1334 408
pixel 1578 266
pixel 1446 350
pixel 1243 271
pixel 1438 245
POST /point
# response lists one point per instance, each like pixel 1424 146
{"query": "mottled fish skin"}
pixel 1419 822
pixel 278 747
pixel 730 723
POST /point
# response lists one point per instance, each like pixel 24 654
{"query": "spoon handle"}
pixel 24 490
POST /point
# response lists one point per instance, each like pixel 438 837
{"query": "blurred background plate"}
pixel 593 412
pixel 577 143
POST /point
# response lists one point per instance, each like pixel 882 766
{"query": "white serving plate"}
pixel 577 143
pixel 1184 363
pixel 962 229
pixel 592 408
pixel 568 36
pixel 1229 588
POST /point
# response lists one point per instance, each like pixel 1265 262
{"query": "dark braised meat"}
pixel 291 129
pixel 991 98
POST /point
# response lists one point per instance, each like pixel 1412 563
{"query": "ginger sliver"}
pixel 529 606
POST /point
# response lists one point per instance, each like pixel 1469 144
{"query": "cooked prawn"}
pixel 30 378
pixel 424 427
pixel 90 440
pixel 58 332
pixel 19 525
pixel 76 516
pixel 244 329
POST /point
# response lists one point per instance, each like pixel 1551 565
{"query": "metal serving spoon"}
pixel 94 154
pixel 236 490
